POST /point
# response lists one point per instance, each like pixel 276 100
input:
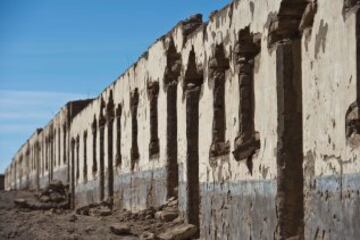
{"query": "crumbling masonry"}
pixel 252 120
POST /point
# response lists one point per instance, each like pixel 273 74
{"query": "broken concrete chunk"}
pixel 120 229
pixel 173 203
pixel 20 202
pixel 73 218
pixel 100 211
pixel 166 215
pixel 178 220
pixel 44 198
pixel 56 197
pixel 147 236
pixel 181 232
pixel 89 229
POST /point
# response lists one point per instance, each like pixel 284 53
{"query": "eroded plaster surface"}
pixel 250 119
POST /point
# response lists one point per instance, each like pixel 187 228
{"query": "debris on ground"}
pixel 163 222
pixel 20 220
pixel 54 196
pixel 120 228
pixel 95 209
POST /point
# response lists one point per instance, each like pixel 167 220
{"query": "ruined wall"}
pixel 250 119
pixel 43 157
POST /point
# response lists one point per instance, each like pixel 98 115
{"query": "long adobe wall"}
pixel 44 156
pixel 250 119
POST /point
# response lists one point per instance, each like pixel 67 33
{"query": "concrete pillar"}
pixel 110 114
pixel 102 122
pixel 134 102
pixel 171 78
pixel 289 145
pixel 153 93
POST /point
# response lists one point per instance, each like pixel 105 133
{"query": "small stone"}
pixel 89 229
pixel 72 218
pixel 171 199
pixel 100 211
pixel 104 212
pixel 173 203
pixel 166 216
pixel 120 228
pixel 20 201
pixel 44 198
pixel 178 220
pixel 56 197
pixel 181 232
pixel 147 236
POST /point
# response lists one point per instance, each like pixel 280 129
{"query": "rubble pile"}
pixel 153 223
pixel 161 223
pixel 54 196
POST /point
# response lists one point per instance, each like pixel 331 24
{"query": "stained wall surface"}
pixel 251 120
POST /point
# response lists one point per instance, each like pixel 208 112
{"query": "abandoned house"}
pixel 250 119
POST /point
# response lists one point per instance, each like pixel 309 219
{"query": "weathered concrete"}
pixel 250 119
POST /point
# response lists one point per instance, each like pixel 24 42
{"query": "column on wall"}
pixel 247 141
pixel 110 114
pixel 153 93
pixel 102 122
pixel 20 166
pixel 46 153
pixel 72 172
pixel 218 66
pixel 27 165
pixel 192 87
pixel 53 141
pixel 284 41
pixel 85 156
pixel 94 150
pixel 77 158
pixel 171 78
pixel 64 143
pixel 59 146
pixel 37 163
pixel 134 102
pixel 118 135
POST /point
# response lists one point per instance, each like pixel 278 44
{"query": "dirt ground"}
pixel 24 224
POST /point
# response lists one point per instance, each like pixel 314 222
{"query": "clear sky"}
pixel 53 51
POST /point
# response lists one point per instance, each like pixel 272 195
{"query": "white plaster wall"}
pixel 223 28
pixel 329 87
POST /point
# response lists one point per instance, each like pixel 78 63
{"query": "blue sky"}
pixel 53 51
